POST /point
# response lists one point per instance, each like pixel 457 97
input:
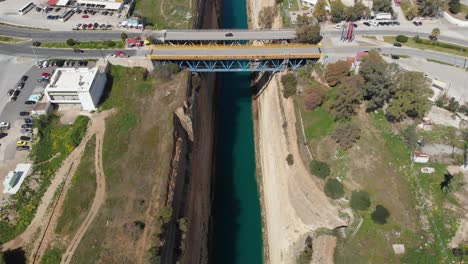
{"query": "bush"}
pixel 110 43
pixel 346 134
pixel 417 39
pixel 380 215
pixel 314 97
pixel 334 189
pixel 289 84
pixel 319 168
pixel 454 6
pixel 401 38
pixel 123 36
pixel 360 200
pixel 335 72
pixel 290 159
pixel 36 43
pixel 71 42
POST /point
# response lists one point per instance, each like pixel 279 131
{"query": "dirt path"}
pixel 99 197
pixel 161 6
pixel 295 203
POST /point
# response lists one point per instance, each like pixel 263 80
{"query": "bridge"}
pixel 235 58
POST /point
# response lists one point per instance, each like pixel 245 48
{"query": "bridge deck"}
pixel 213 35
pixel 243 52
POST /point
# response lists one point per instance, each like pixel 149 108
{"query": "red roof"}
pixel 132 41
pixel 52 2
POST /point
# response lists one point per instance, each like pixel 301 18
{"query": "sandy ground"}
pixel 324 247
pixel 254 8
pixel 294 201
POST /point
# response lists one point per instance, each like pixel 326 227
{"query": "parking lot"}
pixel 50 20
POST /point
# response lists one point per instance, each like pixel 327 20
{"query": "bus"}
pixel 26 8
pixel 67 15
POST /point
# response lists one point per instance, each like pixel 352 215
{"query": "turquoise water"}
pixel 237 229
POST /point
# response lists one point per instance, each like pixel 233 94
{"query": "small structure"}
pixel 132 22
pixel 420 157
pixel 399 249
pixel 427 170
pixel 133 42
pixel 76 86
pixel 113 5
pixel 44 107
pixel 15 178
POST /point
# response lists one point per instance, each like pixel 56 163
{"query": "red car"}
pixel 85 16
pixel 90 25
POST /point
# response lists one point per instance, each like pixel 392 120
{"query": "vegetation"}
pixel 348 98
pixel 10 39
pixel 106 44
pixel 429 8
pixel 267 15
pixel 427 44
pixel 454 6
pixel 55 142
pixel 382 6
pixel 401 38
pixel 380 214
pixel 71 42
pixel 409 9
pixel 160 14
pixel 52 256
pixel 346 134
pixel 36 43
pixel 80 195
pixel 320 13
pixel 308 33
pixel 314 96
pixel 319 168
pixel 335 72
pixel 305 257
pixel 435 32
pixel 289 84
pixel 318 123
pixel 340 12
pixel 360 200
pixel 290 159
pixel 167 71
pixel 334 189
pixel 123 36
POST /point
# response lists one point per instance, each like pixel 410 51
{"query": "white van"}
pixel 45 64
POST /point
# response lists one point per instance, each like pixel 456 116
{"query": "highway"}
pixel 227 34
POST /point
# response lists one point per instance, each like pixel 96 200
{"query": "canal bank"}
pixel 237 228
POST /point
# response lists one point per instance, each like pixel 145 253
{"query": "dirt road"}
pixel 294 201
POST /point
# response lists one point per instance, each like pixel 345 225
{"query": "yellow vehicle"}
pixel 20 143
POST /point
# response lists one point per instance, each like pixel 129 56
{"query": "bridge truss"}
pixel 267 65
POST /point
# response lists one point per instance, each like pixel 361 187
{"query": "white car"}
pixel 5 125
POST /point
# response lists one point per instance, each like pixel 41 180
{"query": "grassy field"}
pixel 137 150
pixel 117 44
pixel 10 39
pixel 55 143
pixel 163 14
pixel 80 195
pixel 432 45
pixel 52 256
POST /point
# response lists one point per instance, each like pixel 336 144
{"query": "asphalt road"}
pixel 212 35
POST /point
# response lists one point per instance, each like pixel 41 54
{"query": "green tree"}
pixel 319 10
pixel 382 6
pixel 304 20
pixel 379 77
pixel 308 34
pixel 412 12
pixel 314 97
pixel 36 43
pixel 410 98
pixel 430 8
pixel 357 11
pixel 267 16
pixel 454 6
pixel 71 42
pixel 320 168
pixel 346 134
pixel 380 215
pixel 348 98
pixel 338 11
pixel 435 32
pixel 336 71
pixel 289 84
pixel 334 189
pixel 410 136
pixel 401 38
pixel 360 200
pixel 123 36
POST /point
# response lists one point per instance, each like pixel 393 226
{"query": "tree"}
pixel 267 16
pixel 382 6
pixel 435 32
pixel 379 78
pixel 320 13
pixel 71 42
pixel 348 98
pixel 290 159
pixel 338 11
pixel 410 98
pixel 412 12
pixel 410 136
pixel 334 189
pixel 380 215
pixel 314 97
pixel 289 84
pixel 430 8
pixel 336 71
pixel 453 105
pixel 346 134
pixel 357 11
pixel 319 168
pixel 123 36
pixel 360 200
pixel 454 6
pixel 308 34
pixel 304 20
pixel 36 43
pixel 401 38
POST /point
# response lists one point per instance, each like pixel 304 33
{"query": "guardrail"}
pixel 280 56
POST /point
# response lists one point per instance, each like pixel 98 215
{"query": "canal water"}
pixel 237 228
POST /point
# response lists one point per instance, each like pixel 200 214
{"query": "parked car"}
pixel 24 78
pixel 28 120
pixel 13 98
pixel 26 131
pixel 20 143
pixel 84 26
pixel 20 85
pixel 415 23
pixel 19 148
pixel 26 126
pixel 16 93
pixel 395 57
pixel 4 125
pixel 433 38
pixel 24 113
pixel 29 102
pixel 25 138
pixel 397 44
pixel 10 92
pixel 58 9
pixel 84 16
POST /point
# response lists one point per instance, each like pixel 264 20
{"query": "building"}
pixel 310 3
pixel 76 86
pixel 420 157
pixel 113 5
pixel 15 178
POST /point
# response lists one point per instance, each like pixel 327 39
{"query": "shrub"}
pixel 289 84
pixel 36 43
pixel 401 38
pixel 290 159
pixel 110 43
pixel 417 39
pixel 123 36
pixel 71 42
pixel 334 189
pixel 314 97
pixel 360 200
pixel 335 72
pixel 380 215
pixel 319 168
pixel 346 134
pixel 454 6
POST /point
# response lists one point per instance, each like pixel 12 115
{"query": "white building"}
pixel 76 86
pixel 114 5
pixel 420 157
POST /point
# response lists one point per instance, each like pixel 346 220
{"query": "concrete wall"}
pixel 455 21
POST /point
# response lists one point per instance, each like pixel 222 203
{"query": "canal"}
pixel 237 228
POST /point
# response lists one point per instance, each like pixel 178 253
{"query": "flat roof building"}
pixel 76 86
